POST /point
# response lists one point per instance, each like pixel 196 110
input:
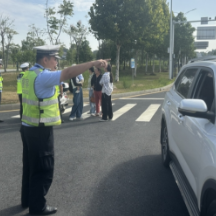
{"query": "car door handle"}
pixel 168 103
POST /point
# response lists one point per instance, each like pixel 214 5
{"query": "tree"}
pixel 184 39
pixel 78 34
pixel 55 25
pixel 119 21
pixel 85 53
pixel 6 25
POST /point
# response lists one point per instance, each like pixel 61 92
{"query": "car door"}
pixel 197 132
pixel 183 88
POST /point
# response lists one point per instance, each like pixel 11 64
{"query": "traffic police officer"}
pixel 40 114
pixel 24 67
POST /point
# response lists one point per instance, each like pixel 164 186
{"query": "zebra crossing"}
pixel 145 116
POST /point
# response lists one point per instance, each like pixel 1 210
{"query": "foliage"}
pixel 78 34
pixel 85 53
pixel 6 33
pixel 55 25
pixel 184 40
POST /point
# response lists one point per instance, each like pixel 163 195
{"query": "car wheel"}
pixel 212 209
pixel 165 146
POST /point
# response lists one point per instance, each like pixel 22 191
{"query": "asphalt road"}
pixel 101 168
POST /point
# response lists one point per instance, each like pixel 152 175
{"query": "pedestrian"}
pixel 1 85
pixel 24 67
pixel 97 89
pixel 40 114
pixel 77 108
pixel 107 89
pixel 91 92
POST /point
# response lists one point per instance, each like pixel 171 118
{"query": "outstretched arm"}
pixel 75 70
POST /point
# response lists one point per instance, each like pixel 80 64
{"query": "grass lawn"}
pixel 126 83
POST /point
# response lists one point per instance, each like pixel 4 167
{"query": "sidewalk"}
pixel 114 96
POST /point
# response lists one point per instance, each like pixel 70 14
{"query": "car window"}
pixel 185 81
pixel 205 88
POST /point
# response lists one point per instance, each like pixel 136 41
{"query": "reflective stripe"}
pixel 37 103
pixel 49 120
pixel 29 119
pixel 42 120
pixel 50 102
pixel 30 102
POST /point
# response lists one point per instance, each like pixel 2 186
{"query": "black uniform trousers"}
pixel 21 107
pixel 106 106
pixel 38 166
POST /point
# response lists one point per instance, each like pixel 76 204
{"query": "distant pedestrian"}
pixel 107 89
pixel 97 89
pixel 24 67
pixel 77 108
pixel 91 92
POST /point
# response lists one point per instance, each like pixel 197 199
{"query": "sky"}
pixel 27 12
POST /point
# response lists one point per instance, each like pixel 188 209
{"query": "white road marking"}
pixel 141 98
pixel 16 116
pixel 123 110
pixel 149 113
pixel 68 110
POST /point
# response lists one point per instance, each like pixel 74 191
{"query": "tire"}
pixel 212 209
pixel 165 146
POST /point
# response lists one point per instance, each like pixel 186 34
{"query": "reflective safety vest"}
pixel 19 83
pixel 58 89
pixel 1 84
pixel 38 112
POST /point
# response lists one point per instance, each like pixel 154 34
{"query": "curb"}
pixel 114 96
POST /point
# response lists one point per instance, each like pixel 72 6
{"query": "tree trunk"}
pixel 160 66
pixel 3 53
pixel 135 71
pixel 146 68
pixel 153 68
pixel 117 62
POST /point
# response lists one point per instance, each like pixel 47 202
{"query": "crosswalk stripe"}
pixel 69 109
pixel 149 113
pixel 122 110
pixel 141 98
pixel 16 116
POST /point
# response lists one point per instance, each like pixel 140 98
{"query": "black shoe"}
pixel 48 210
pixel 1 121
pixel 62 121
pixel 24 206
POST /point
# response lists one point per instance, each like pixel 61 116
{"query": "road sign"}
pixel 206 33
pixel 201 44
pixel 204 20
pixel 132 63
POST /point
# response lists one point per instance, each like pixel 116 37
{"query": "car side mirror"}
pixel 195 108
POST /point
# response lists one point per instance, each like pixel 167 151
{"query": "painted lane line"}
pixel 141 98
pixel 122 111
pixel 16 116
pixel 149 113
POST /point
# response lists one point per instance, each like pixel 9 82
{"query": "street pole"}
pixel 170 48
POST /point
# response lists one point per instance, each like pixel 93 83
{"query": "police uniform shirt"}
pixel 45 83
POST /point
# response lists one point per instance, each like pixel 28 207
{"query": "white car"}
pixel 188 136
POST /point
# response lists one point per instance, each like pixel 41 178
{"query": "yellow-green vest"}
pixel 58 89
pixel 1 84
pixel 19 83
pixel 38 112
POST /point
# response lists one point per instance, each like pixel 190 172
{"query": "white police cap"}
pixel 24 65
pixel 51 50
